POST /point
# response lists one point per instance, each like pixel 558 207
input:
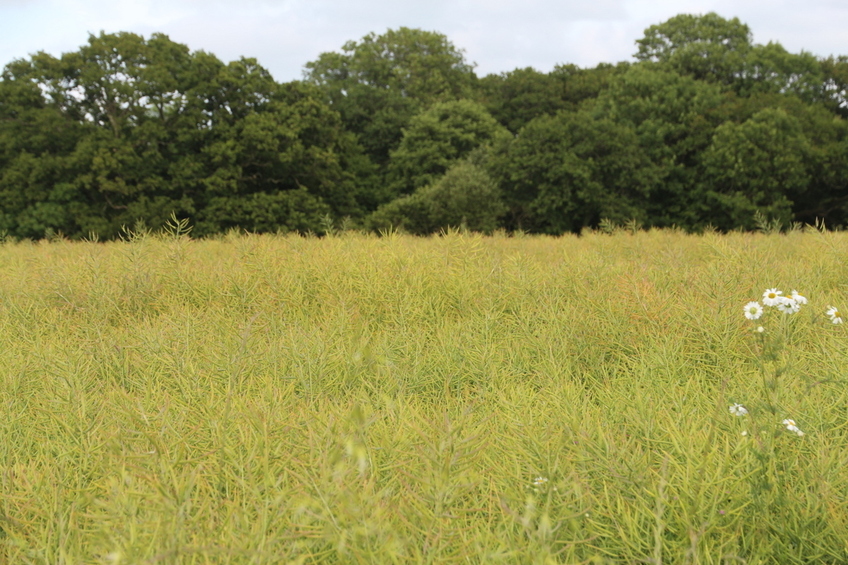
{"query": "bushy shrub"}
pixel 284 211
pixel 408 213
pixel 464 197
pixel 436 139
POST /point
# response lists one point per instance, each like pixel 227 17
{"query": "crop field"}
pixel 454 399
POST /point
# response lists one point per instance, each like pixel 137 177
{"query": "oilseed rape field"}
pixel 634 397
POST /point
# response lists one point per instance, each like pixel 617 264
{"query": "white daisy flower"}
pixel 790 426
pixel 539 481
pixel 787 305
pixel 834 315
pixel 753 310
pixel 799 298
pixel 738 410
pixel 771 297
pixel 760 329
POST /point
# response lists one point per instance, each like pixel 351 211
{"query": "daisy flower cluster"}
pixel 774 298
pixel 738 410
pixel 790 426
pixel 791 304
pixel 787 304
pixel 540 484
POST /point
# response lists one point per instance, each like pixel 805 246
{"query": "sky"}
pixel 496 35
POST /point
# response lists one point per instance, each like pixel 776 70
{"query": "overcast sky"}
pixel 497 35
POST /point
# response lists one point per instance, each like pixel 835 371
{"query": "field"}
pixel 456 399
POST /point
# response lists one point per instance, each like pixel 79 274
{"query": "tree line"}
pixel 396 130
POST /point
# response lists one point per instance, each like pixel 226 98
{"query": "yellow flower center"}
pixel 772 295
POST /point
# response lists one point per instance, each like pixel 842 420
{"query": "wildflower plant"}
pixel 773 353
pixel 738 410
pixel 775 322
pixel 753 311
pixel 774 327
pixel 539 481
pixel 791 427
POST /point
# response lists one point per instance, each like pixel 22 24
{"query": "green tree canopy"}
pixel 151 129
pixel 758 165
pixel 705 128
pixel 380 82
pixel 516 97
pixel 465 196
pixel 674 117
pixel 706 47
pixel 584 85
pixel 835 84
pixel 294 148
pixel 566 172
pixel 771 68
pixel 438 137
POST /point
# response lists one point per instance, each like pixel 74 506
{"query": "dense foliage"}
pixel 705 128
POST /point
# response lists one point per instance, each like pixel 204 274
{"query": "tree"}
pixel 380 82
pixel 464 197
pixel 438 137
pixel 756 166
pixel 825 157
pixel 835 84
pixel 566 172
pixel 127 98
pixel 673 117
pixel 581 86
pixel 706 47
pixel 295 147
pixel 35 141
pixel 264 212
pixel 516 97
pixel 155 130
pixel 770 68
pixel 827 195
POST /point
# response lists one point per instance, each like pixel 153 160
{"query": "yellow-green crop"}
pixel 457 399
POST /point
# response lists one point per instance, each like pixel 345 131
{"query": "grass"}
pixel 354 399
